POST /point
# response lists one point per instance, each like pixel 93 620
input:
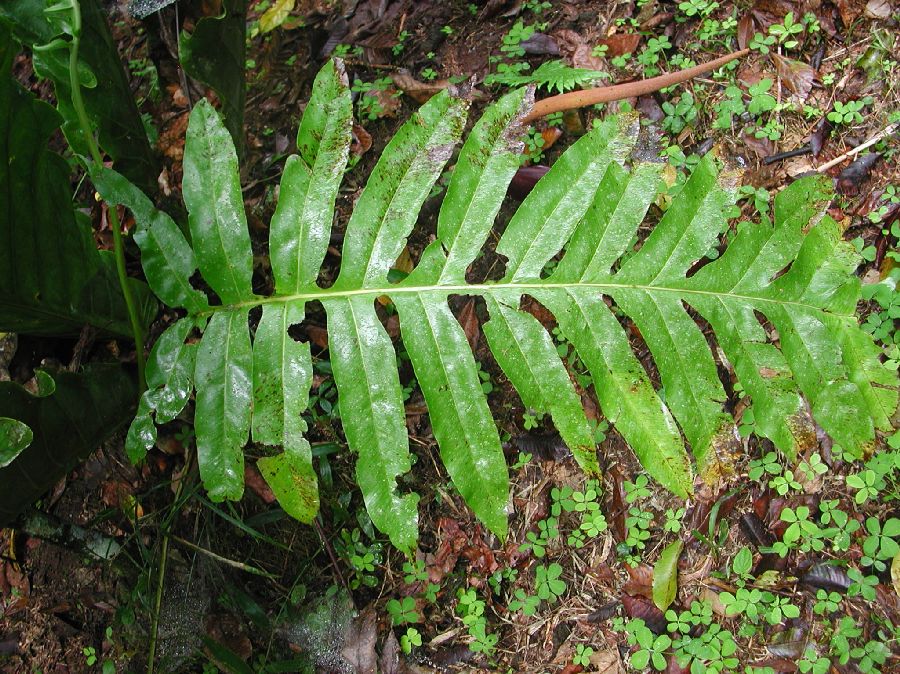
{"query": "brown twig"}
pixel 334 563
pixel 618 92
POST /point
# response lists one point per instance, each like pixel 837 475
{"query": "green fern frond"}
pixel 779 301
pixel 549 75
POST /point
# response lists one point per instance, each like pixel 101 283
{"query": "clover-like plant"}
pixel 792 274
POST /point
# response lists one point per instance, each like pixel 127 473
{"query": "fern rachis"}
pixel 258 386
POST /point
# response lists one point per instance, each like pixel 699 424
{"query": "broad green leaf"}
pixel 170 370
pixel 665 575
pixel 529 358
pixel 293 481
pixel 14 438
pixel 688 372
pixel 214 53
pixel 282 377
pixel 224 381
pixel 75 416
pixel 486 164
pixel 275 15
pixel 53 281
pixel 212 193
pixel 170 380
pixel 609 224
pixel 550 212
pixel 626 395
pixel 109 102
pixel 460 418
pixel 301 224
pixel 365 373
pixel 141 434
pixel 389 205
pixel 777 305
pixel 861 358
pixel 166 256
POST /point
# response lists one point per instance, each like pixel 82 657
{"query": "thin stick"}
pixel 618 92
pixel 331 556
pixel 224 560
pixel 859 148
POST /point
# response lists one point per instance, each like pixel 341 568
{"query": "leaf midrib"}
pixel 323 294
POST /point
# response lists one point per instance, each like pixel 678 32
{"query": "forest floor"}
pixel 247 589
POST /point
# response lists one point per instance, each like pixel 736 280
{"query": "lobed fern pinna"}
pixel 780 301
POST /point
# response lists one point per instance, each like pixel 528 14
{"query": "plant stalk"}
pixel 118 244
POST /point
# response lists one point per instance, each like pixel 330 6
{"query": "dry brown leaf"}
pixel 878 9
pixel 469 322
pixel 796 75
pixel 745 30
pixel 362 141
pixel 895 573
pixel 171 140
pixel 620 43
pixel 550 136
pixel 359 643
pixel 257 484
pixel 388 101
pixel 607 661
pixel 418 91
pixel 640 581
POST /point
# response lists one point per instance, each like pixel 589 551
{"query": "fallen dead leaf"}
pixel 550 136
pixel 469 322
pixel 878 9
pixel 420 92
pixel 713 598
pixel 607 661
pixel 359 643
pixel 257 484
pixel 362 141
pixel 796 75
pixel 620 43
pixel 640 581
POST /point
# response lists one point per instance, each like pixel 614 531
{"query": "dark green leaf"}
pixel 214 54
pixel 52 279
pixel 68 423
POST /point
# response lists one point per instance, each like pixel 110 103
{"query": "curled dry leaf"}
pixel 550 136
pixel 640 581
pixel 469 322
pixel 745 30
pixel 257 484
pixel 362 141
pixel 359 643
pixel 418 91
pixel 827 577
pixel 643 608
pixel 850 179
pixel 607 661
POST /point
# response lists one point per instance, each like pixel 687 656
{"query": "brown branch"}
pixel 618 92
